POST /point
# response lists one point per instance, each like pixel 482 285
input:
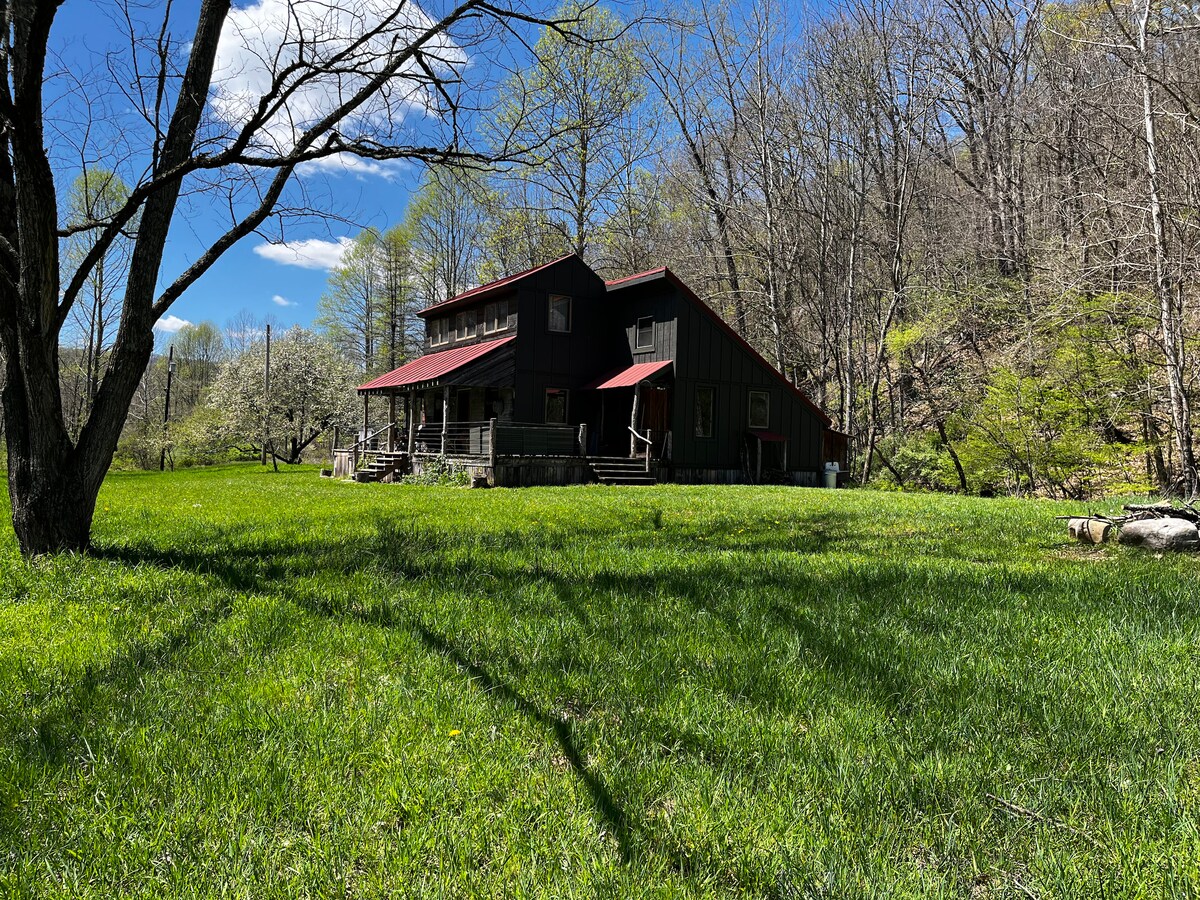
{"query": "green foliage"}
pixel 275 685
pixel 572 112
pixel 438 470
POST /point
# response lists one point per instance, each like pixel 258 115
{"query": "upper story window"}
pixel 760 409
pixel 645 333
pixel 464 325
pixel 559 315
pixel 499 316
pixel 439 332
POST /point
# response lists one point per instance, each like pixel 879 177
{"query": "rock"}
pixel 1090 531
pixel 1161 534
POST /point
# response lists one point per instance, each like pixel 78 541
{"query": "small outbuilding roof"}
pixel 433 366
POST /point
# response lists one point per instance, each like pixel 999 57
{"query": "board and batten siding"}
pixel 546 359
pixel 706 355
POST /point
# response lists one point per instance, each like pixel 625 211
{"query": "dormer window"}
pixel 464 325
pixel 499 316
pixel 439 332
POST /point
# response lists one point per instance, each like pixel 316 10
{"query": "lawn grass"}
pixel 275 685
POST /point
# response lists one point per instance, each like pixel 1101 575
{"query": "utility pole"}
pixel 162 456
pixel 266 396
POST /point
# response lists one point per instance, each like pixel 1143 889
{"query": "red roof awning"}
pixel 434 366
pixel 768 437
pixel 628 377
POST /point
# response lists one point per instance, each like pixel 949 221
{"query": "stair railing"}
pixel 362 442
pixel 646 439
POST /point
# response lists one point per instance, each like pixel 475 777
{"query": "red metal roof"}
pixel 485 289
pixel 614 282
pixel 768 437
pixel 628 377
pixel 433 366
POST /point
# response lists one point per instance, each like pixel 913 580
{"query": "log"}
pixel 1163 510
pixel 1161 534
pixel 1089 531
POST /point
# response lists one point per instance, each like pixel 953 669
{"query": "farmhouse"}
pixel 555 376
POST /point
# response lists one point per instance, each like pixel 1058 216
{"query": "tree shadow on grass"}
pixel 869 645
pixel 561 729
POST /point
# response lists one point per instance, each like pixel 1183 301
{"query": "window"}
pixel 645 333
pixel 559 315
pixel 495 317
pixel 464 325
pixel 760 409
pixel 556 406
pixel 439 331
pixel 706 398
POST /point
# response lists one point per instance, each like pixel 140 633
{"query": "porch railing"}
pixel 492 438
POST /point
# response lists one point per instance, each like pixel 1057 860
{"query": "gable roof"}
pixel 433 366
pixel 492 287
pixel 663 273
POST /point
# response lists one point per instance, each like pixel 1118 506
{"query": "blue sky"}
pixel 254 275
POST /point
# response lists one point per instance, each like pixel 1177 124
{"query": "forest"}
pixel 967 229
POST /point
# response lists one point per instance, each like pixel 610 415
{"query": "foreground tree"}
pixel 226 113
pixel 312 389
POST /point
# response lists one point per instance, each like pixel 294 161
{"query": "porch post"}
pixel 412 421
pixel 366 416
pixel 392 421
pixel 445 415
pixel 633 417
pixel 758 476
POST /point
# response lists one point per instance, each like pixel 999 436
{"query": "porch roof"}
pixel 433 366
pixel 629 376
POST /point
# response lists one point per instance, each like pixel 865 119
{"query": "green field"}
pixel 273 685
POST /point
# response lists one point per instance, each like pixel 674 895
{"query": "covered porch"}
pixel 458 405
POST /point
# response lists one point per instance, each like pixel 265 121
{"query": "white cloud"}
pixel 280 300
pixel 356 166
pixel 268 36
pixel 312 253
pixel 170 324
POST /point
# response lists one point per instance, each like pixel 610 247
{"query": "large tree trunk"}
pixel 52 504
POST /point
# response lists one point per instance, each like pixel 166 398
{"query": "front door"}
pixel 656 415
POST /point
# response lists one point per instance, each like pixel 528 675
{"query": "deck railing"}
pixel 492 438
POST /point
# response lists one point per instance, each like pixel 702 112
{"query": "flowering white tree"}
pixel 311 390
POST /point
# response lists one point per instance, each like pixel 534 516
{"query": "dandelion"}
pixel 454 732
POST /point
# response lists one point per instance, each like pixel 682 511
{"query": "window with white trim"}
pixel 495 316
pixel 464 325
pixel 439 332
